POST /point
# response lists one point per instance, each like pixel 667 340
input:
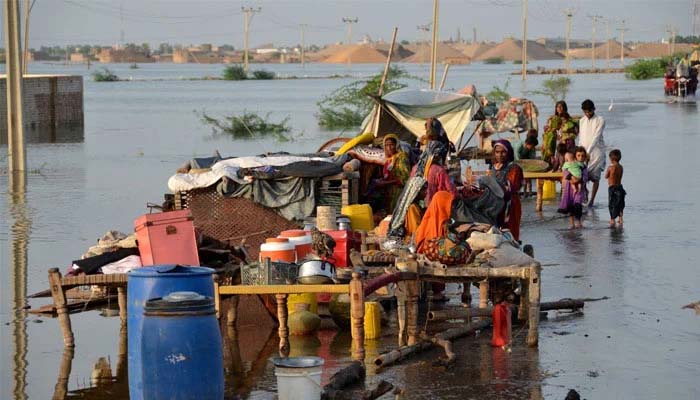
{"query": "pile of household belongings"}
pixel 517 114
pixel 281 181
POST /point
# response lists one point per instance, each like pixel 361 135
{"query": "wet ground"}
pixel 638 344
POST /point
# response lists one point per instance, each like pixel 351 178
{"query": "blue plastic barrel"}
pixel 149 283
pixel 181 349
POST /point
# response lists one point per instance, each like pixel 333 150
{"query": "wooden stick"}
pixel 444 76
pixel 388 62
pixel 401 315
pixel 484 294
pixel 59 298
pixel 283 330
pixel 282 289
pixel 412 289
pixel 534 305
pixel 232 312
pixel 60 391
pixel 353 373
pixel 357 318
pixel 395 355
pixel 466 313
pixel 540 194
pixel 121 300
pixel 522 310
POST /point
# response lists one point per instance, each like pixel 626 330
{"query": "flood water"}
pixel 637 344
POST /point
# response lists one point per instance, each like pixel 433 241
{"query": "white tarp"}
pixel 411 107
pixel 229 168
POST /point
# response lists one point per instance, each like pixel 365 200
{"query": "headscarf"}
pixel 434 150
pixel 510 156
pixel 395 138
pixel 563 105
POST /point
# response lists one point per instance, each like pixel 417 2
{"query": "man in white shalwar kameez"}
pixel 590 137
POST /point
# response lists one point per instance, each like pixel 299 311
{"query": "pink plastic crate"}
pixel 167 238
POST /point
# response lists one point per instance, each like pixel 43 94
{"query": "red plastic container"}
pixel 344 242
pixel 167 238
pixel 501 325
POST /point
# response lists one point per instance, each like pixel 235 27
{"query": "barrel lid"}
pixel 170 270
pixel 297 362
pixel 277 240
pixel 180 302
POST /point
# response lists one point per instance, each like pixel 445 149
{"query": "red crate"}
pixel 167 238
pixel 344 242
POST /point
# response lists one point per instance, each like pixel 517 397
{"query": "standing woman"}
pixel 591 129
pixel 394 173
pixel 510 176
pixel 549 137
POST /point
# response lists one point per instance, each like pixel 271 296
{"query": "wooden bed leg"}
pixel 540 193
pixel 121 299
pixel 401 316
pixel 484 294
pixel 60 391
pixel 232 312
pixel 217 298
pixel 59 300
pixel 534 305
pixel 357 318
pixel 522 310
pixel 283 330
pixel 413 290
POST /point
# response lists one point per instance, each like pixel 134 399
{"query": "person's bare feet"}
pixel 612 223
pixel 579 225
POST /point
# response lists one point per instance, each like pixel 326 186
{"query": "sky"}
pixel 62 22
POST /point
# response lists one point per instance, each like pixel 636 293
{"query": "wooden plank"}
pixel 542 175
pixel 474 272
pixel 282 289
pixel 59 299
pixel 103 280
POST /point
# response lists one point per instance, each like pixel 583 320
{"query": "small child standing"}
pixel 574 168
pixel 616 193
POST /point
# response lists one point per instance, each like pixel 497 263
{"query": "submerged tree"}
pixel 347 106
pixel 248 125
pixel 554 88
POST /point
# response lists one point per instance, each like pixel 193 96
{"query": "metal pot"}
pixel 315 272
pixel 344 223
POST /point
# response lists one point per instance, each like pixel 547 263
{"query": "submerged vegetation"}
pixel 499 95
pixel 237 73
pixel 554 88
pixel 650 68
pixel 494 60
pixel 263 75
pixel 248 125
pixel 104 75
pixel 347 106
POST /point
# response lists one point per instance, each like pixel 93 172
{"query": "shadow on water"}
pixel 21 226
pixel 66 134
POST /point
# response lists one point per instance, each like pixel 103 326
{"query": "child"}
pixel 558 159
pixel 616 194
pixel 572 201
pixel 574 168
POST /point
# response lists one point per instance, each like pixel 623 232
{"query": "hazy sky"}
pixel 64 22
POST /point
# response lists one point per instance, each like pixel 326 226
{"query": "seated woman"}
pixel 435 131
pixel 434 171
pixel 510 176
pixel 394 174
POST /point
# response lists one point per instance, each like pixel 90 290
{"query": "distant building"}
pixel 196 55
pixel 110 55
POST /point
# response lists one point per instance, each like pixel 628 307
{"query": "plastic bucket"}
pixel 148 283
pixel 549 190
pixel 298 378
pixel 278 249
pixel 373 320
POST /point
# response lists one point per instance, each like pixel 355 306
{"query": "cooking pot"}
pixel 344 223
pixel 316 272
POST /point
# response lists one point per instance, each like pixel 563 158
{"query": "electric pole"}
pixel 25 53
pixel 424 29
pixel 121 31
pixel 607 41
pixel 13 59
pixel 248 12
pixel 622 43
pixel 569 13
pixel 594 18
pixel 696 17
pixel 348 22
pixel 524 53
pixel 671 40
pixel 433 53
pixel 302 27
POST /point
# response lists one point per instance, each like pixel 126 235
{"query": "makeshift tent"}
pixel 404 112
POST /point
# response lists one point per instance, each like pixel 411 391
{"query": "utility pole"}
pixel 248 12
pixel 433 53
pixel 671 40
pixel 16 152
pixel 569 13
pixel 302 26
pixel 607 41
pixel 424 29
pixel 524 53
pixel 348 22
pixel 474 35
pixel 594 18
pixel 25 54
pixel 622 43
pixel 121 31
pixel 696 17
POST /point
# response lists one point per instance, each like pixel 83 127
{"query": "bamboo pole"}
pixel 357 318
pixel 386 359
pixel 433 49
pixel 444 76
pixel 466 313
pixel 283 330
pixel 59 298
pixel 388 62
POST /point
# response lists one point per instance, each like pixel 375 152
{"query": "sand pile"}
pixel 653 50
pixel 400 52
pixel 362 54
pixel 511 49
pixel 601 51
pixel 445 54
pixel 473 50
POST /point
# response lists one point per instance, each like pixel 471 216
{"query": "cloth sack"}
pixel 484 241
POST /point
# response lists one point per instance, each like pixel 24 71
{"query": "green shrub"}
pixel 248 125
pixel 104 75
pixel 499 95
pixel 347 106
pixel 263 75
pixel 646 69
pixel 518 62
pixel 554 88
pixel 234 73
pixel 494 60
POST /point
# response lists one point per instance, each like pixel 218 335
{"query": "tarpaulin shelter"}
pixel 404 112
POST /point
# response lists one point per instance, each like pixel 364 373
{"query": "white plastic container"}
pixel 298 378
pixel 278 249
